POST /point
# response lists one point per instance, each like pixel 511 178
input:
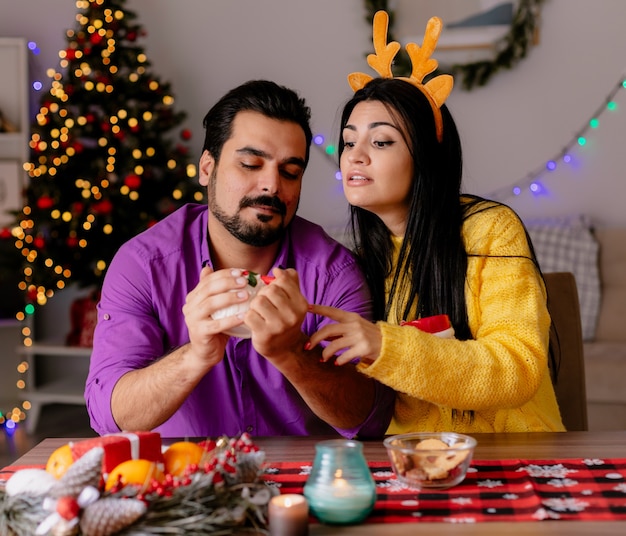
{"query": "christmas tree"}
pixel 103 167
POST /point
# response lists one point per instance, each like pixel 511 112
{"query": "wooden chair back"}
pixel 566 339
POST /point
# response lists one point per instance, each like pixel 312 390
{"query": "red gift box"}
pixel 121 447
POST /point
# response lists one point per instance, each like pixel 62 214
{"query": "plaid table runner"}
pixel 505 490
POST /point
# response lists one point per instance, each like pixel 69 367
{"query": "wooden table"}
pixel 490 447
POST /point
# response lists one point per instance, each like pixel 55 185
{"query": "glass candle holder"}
pixel 340 489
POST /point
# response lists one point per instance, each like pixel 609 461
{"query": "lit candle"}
pixel 289 515
pixel 341 501
pixel 340 488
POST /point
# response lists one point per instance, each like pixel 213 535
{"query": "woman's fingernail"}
pixel 242 294
pixel 310 307
pixel 307 345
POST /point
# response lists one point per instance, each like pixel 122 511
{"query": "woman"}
pixel 428 250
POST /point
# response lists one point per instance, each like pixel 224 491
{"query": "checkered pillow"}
pixel 568 245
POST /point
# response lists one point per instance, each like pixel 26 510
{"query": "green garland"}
pixel 518 41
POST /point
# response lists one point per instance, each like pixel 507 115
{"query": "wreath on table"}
pixel 517 42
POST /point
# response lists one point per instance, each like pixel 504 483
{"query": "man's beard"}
pixel 251 233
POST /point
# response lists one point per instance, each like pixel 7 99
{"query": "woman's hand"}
pixel 360 338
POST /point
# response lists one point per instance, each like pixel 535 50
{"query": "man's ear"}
pixel 207 163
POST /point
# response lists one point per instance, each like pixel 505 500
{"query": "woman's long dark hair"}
pixel 433 254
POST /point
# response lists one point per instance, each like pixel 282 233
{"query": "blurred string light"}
pixel 30 244
pixel 533 181
pixel 9 419
pixel 329 151
pixel 32 46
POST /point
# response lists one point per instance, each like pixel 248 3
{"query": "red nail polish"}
pixel 307 345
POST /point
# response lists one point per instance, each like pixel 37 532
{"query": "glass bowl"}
pixel 430 460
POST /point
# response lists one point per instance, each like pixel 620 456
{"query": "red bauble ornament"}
pixel 71 242
pixel 67 507
pixel 132 181
pixel 70 54
pixel 131 36
pixel 103 207
pixel 39 242
pixel 5 233
pixel 186 134
pixel 45 202
pixel 95 39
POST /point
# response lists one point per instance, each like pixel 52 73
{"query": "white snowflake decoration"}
pixel 563 482
pixel 489 483
pixel 566 504
pixel 460 520
pixel 305 469
pixel 547 471
pixel 542 514
pixel 383 474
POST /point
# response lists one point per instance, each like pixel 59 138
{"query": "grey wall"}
pixel 511 127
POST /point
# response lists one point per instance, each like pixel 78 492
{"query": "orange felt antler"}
pixel 436 90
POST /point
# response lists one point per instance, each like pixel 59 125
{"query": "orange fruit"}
pixel 60 461
pixel 134 472
pixel 180 455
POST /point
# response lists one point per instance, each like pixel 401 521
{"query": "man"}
pixel 155 368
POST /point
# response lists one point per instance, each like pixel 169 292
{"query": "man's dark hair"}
pixel 268 98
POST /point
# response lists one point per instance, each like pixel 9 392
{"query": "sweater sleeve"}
pixel 505 363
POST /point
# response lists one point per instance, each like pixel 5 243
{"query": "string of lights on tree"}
pixel 533 181
pixel 102 167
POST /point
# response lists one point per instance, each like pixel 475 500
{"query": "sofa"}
pixel 605 353
pixel 596 255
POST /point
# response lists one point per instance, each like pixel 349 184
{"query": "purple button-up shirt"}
pixel 140 319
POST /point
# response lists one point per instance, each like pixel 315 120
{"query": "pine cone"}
pixel 110 515
pixel 64 529
pixel 86 471
pixel 250 466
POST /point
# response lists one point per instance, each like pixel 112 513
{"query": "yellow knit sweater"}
pixel 502 374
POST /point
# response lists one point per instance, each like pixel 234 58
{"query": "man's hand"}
pixel 214 291
pixel 276 315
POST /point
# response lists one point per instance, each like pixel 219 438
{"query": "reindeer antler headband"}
pixel 436 90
